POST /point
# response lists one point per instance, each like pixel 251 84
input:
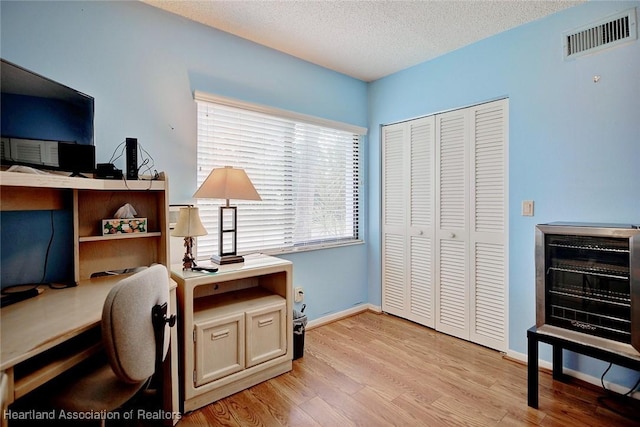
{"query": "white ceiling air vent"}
pixel 608 32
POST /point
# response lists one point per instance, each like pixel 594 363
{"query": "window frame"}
pixel 209 206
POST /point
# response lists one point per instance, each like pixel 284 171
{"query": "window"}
pixel 306 170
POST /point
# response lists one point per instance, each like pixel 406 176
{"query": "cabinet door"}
pixel 219 348
pixel 266 333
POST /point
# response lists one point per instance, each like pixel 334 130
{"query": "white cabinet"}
pixel 237 327
pixel 237 330
pixel 445 222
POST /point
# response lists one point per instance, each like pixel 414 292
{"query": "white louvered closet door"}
pixel 394 220
pixel 421 222
pixel 487 238
pixel 445 222
pixel 408 198
pixel 471 268
pixel 452 291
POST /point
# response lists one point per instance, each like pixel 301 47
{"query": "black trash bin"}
pixel 299 326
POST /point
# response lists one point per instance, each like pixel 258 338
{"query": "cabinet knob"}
pixel 421 233
pixel 452 235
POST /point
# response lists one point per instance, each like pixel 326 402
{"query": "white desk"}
pixel 46 335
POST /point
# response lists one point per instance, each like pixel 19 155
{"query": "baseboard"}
pixel 521 357
pixel 343 314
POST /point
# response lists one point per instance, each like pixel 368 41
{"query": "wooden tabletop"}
pixel 32 326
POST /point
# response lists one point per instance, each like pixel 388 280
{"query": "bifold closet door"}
pixel 452 218
pixel 471 224
pixel 444 222
pixel 407 217
pixel 394 299
pixel 488 224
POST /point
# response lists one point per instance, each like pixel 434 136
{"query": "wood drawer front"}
pixel 219 348
pixel 266 333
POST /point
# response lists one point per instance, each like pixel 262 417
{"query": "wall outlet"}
pixel 298 294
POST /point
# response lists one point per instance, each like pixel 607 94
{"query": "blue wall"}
pixel 574 145
pixel 142 65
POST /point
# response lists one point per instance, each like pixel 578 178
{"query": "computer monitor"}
pixel 76 158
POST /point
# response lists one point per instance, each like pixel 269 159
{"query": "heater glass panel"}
pixel 588 285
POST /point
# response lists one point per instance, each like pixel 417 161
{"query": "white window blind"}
pixel 307 175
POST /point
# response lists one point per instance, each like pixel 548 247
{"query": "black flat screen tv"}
pixel 37 114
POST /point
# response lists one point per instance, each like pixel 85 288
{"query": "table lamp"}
pixel 189 226
pixel 227 183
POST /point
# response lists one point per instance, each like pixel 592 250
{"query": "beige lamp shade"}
pixel 189 224
pixel 227 183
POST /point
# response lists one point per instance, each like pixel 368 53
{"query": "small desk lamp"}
pixel 227 183
pixel 189 226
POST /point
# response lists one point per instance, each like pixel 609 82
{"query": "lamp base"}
pixel 226 259
pixel 188 261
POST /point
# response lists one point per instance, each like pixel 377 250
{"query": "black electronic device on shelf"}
pixel 108 171
pixel 132 158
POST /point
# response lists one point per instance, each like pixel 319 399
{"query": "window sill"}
pixel 276 252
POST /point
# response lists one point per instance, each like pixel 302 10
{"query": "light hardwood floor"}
pixel 379 370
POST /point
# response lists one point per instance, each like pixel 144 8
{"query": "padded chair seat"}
pixel 99 390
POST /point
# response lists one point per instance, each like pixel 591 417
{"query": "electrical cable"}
pixel 113 159
pixel 46 255
pixel 603 374
pixel 147 160
pixel 147 165
pixel 610 395
pixel 46 261
pixel 633 388
pixel 16 293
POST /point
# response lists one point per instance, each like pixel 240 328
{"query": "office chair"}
pixel 135 335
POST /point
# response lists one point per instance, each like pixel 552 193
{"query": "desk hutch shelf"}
pixel 49 334
pixel 91 201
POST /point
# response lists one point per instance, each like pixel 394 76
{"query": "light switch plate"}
pixel 527 208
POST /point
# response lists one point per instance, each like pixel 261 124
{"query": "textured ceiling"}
pixel 363 39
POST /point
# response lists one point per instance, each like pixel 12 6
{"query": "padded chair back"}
pixel 127 328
